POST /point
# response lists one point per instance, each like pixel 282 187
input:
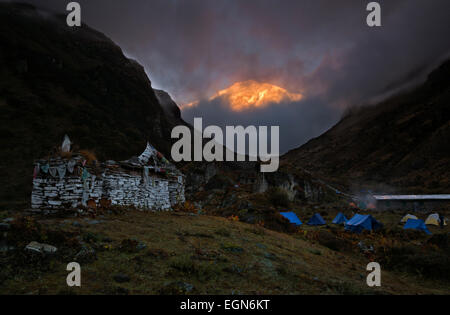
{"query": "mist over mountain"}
pixel 399 145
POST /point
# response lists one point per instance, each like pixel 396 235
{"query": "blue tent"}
pixel 316 220
pixel 292 217
pixel 416 225
pixel 340 218
pixel 361 222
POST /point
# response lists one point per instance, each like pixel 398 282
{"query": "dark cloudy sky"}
pixel 320 48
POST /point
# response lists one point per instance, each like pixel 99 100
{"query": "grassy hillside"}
pixel 184 253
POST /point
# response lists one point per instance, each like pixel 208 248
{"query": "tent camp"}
pixel 416 225
pixel 433 219
pixel 362 222
pixel 316 219
pixel 292 217
pixel 340 218
pixel 407 217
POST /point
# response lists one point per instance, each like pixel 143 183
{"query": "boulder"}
pixel 38 248
pixel 86 255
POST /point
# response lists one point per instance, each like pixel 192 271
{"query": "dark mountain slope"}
pixel 171 109
pixel 401 144
pixel 56 80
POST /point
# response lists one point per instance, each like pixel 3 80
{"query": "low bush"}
pixel 223 232
pixel 416 260
pixel 201 270
pixel 278 197
pixel 332 242
pixel 440 240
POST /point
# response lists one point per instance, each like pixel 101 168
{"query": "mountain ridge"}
pixel 56 80
pixel 398 145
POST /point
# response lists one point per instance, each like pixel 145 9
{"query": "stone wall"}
pixel 53 193
pixel 60 186
pixel 130 189
pixel 176 191
pixel 121 187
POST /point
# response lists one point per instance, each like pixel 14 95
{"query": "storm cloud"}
pixel 322 49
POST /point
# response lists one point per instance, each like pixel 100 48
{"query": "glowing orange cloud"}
pixel 191 104
pixel 251 94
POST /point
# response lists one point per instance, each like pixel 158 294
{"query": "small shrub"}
pixel 332 242
pixel 286 270
pixel 25 229
pixel 258 229
pixel 275 221
pixel 223 232
pixel 440 240
pixel 202 271
pixel 89 156
pixel 184 264
pixel 3 215
pixel 415 260
pixel 219 182
pixel 176 288
pixel 91 238
pixel 188 207
pixel 232 248
pixel 278 197
pixel 129 245
pixel 315 251
pixel 118 209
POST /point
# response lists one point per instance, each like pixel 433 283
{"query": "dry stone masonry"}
pixel 70 181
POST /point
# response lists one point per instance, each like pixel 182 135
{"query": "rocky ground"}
pixel 132 252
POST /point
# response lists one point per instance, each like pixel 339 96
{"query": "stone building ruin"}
pixel 69 180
